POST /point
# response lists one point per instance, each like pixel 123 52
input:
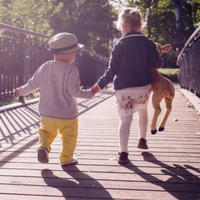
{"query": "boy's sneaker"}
pixel 71 162
pixel 142 144
pixel 43 155
pixel 123 158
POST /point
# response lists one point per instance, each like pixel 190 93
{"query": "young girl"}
pixel 129 65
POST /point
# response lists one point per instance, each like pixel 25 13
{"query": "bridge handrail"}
pixel 189 64
pixel 23 51
pixel 189 43
pixel 22 30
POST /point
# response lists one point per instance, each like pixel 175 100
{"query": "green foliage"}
pixel 15 100
pixel 92 21
pixel 171 74
pixel 164 26
pixel 29 14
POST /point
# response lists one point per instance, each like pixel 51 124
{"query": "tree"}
pixel 90 20
pixel 30 14
pixel 168 21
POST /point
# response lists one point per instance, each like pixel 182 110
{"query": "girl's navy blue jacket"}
pixel 131 61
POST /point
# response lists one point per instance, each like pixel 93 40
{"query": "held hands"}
pixel 95 88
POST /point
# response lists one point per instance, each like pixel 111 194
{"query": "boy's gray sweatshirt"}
pixel 58 83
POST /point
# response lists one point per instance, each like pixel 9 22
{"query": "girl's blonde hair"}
pixel 132 17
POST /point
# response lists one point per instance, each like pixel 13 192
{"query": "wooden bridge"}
pixel 169 170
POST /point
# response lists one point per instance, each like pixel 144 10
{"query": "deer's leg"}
pixel 168 102
pixel 156 99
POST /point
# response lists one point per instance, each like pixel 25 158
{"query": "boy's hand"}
pixel 17 94
pixel 95 88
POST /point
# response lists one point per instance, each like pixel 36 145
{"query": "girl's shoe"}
pixel 43 155
pixel 142 144
pixel 71 162
pixel 122 158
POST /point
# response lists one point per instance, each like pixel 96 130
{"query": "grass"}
pixel 166 72
pixel 16 100
pixel 8 102
pixel 170 73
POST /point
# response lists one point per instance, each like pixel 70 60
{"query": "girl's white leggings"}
pixel 125 125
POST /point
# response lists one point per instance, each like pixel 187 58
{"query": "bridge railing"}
pixel 23 51
pixel 189 64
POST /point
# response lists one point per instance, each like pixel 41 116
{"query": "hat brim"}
pixel 73 50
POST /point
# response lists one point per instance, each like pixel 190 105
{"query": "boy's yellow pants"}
pixel 49 129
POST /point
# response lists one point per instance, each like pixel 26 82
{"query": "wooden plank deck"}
pixel 169 170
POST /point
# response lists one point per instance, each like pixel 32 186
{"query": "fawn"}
pixel 161 88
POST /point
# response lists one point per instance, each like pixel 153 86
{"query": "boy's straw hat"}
pixel 62 43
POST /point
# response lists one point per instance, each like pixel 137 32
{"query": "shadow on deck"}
pixel 169 170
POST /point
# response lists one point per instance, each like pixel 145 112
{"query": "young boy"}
pixel 58 81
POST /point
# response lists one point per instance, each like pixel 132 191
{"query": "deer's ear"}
pixel 166 48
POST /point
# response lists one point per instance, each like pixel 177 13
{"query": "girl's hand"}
pixel 95 88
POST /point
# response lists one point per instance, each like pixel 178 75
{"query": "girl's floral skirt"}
pixel 129 100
